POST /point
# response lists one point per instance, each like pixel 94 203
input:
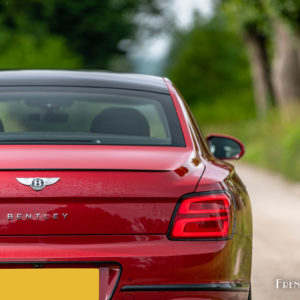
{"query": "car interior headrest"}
pixel 120 120
pixel 1 126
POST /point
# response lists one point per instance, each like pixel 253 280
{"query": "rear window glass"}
pixel 56 115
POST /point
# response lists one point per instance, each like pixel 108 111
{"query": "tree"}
pixel 286 66
pixel 260 65
pixel 278 46
pixel 210 67
pixel 92 29
pixel 285 18
pixel 25 52
pixel 249 19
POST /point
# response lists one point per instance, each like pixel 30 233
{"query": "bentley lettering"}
pixel 36 216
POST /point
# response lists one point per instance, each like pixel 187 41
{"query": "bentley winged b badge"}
pixel 37 183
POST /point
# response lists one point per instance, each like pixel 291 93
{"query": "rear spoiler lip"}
pixel 78 169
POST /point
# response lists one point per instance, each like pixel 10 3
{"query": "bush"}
pixel 273 143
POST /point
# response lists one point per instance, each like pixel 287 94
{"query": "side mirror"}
pixel 225 147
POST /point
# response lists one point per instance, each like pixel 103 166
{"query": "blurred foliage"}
pixel 25 51
pixel 93 30
pixel 288 10
pixel 209 65
pixel 273 143
pixel 210 68
pixel 243 15
pixel 257 16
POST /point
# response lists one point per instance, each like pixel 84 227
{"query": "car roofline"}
pixel 83 79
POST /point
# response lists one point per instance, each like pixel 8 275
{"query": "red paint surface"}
pixel 97 202
pixel 119 208
pixel 92 157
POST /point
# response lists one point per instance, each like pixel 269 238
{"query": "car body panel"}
pixel 145 259
pixel 82 79
pixel 86 157
pixel 120 201
pixel 93 202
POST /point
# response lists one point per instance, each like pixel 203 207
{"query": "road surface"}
pixel 276 233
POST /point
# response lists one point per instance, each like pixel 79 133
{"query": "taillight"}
pixel 207 216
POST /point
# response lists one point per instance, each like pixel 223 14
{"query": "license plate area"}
pixel 58 280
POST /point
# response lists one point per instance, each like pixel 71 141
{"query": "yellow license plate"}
pixel 46 284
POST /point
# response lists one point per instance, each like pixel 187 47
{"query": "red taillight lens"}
pixel 208 216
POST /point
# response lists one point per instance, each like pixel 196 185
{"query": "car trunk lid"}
pixel 116 196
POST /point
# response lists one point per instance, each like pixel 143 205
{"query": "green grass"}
pixel 273 143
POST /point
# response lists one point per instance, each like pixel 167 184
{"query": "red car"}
pixel 110 191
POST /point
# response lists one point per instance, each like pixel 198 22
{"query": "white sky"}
pixel 184 9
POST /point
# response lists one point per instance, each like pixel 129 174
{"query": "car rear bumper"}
pixel 149 266
pixel 185 295
pixel 186 291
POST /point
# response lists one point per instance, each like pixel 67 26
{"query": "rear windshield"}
pixel 98 116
